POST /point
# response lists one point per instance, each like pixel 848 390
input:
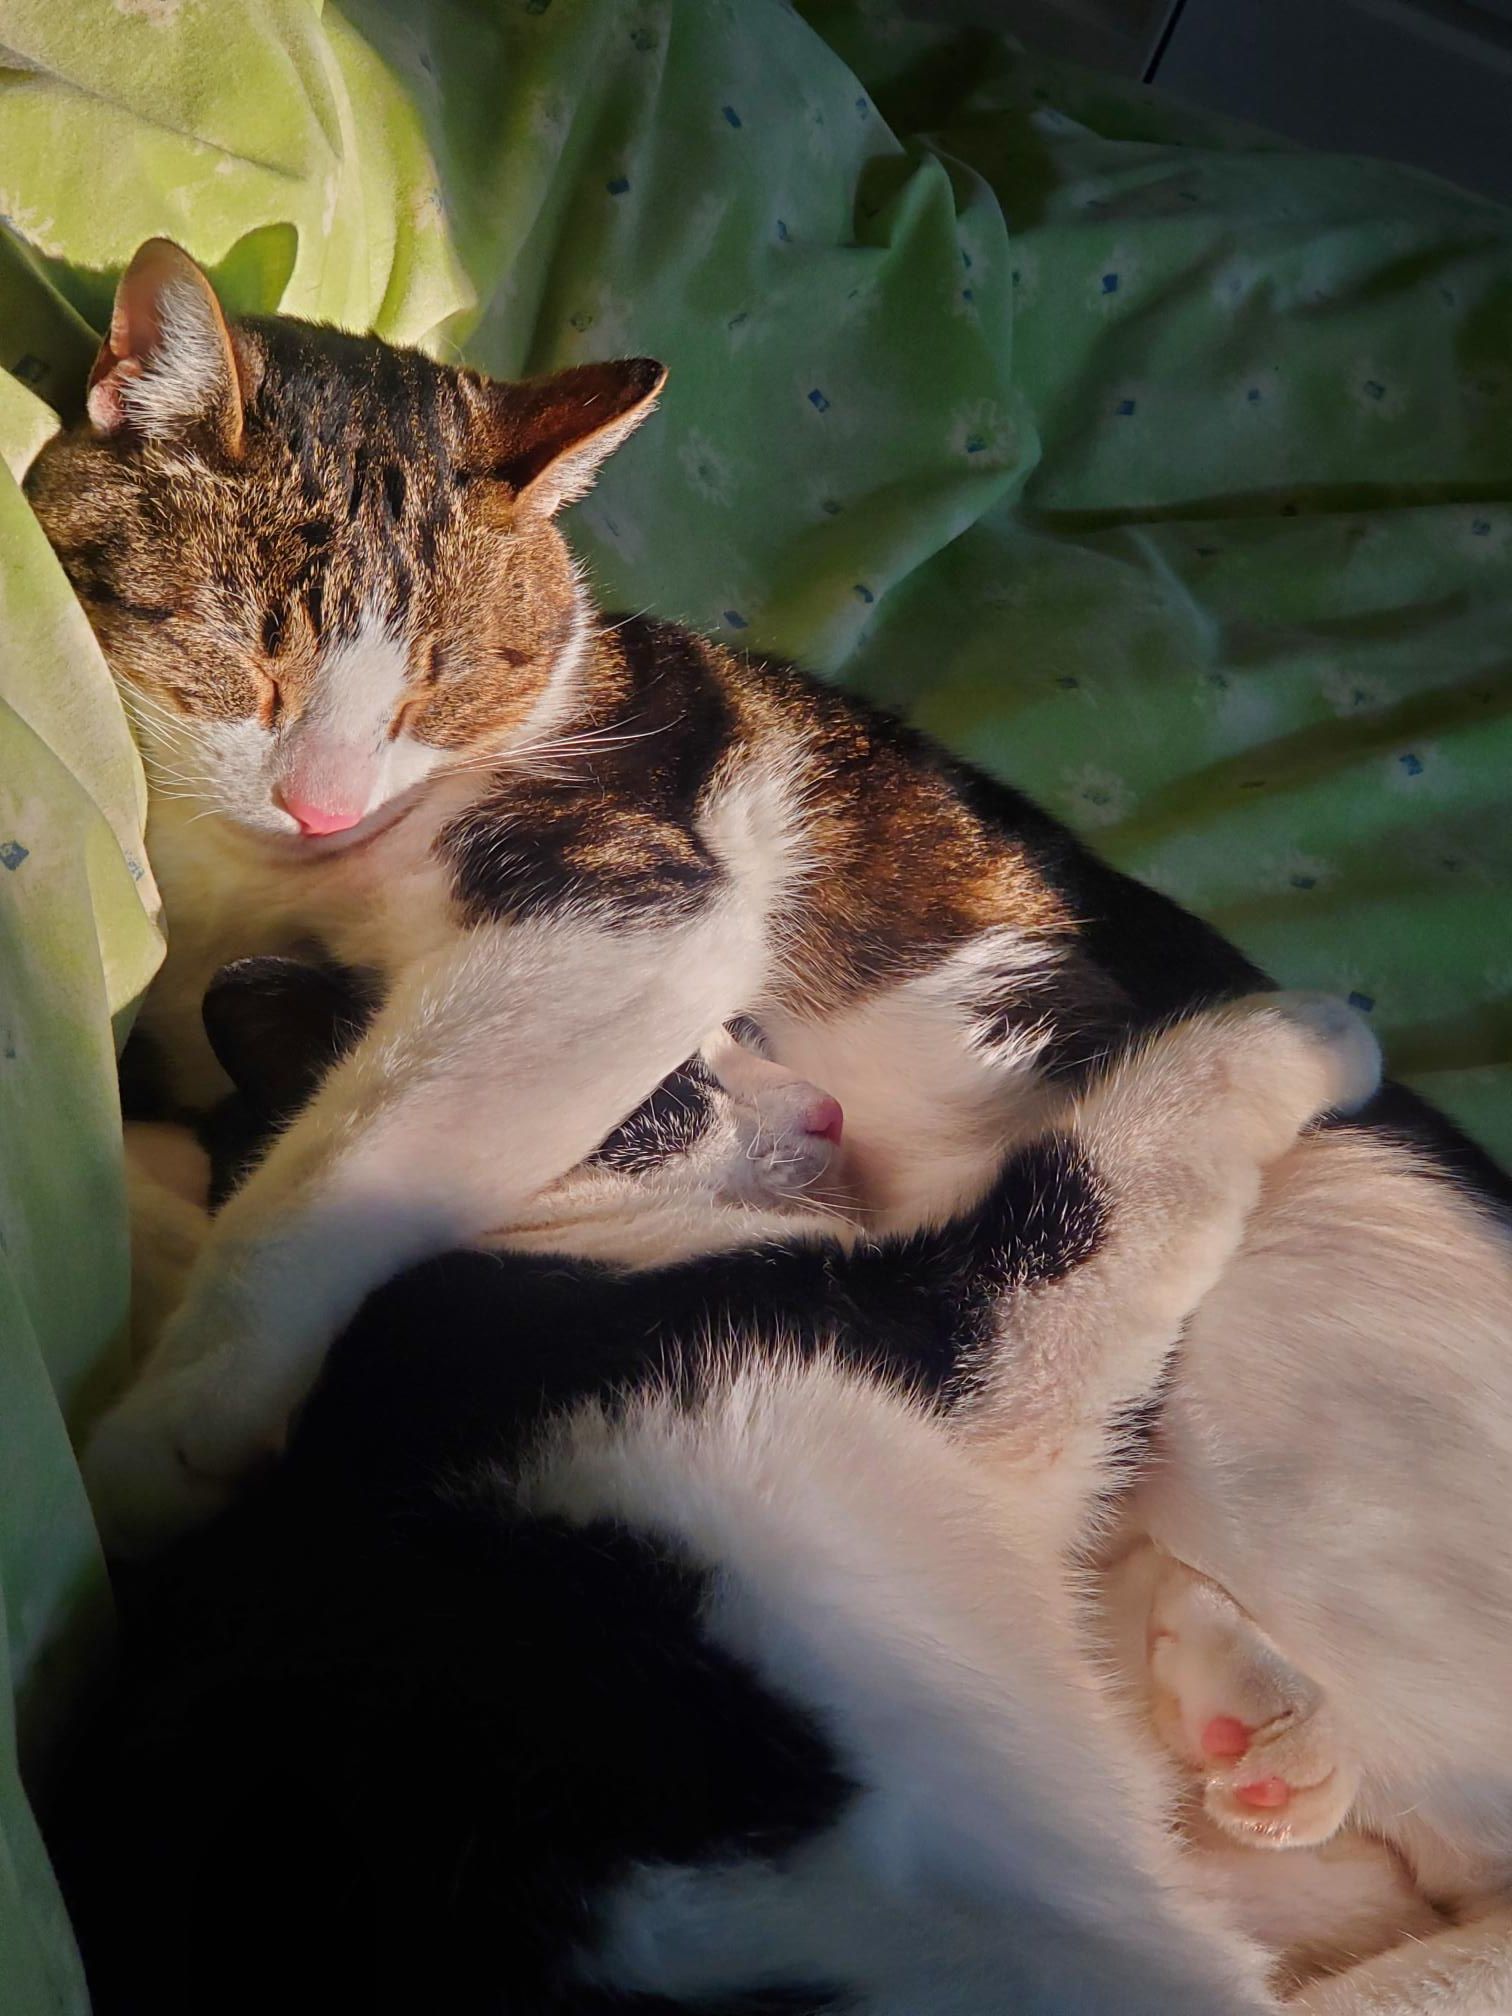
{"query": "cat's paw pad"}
pixel 1288 1787
pixel 1253 1729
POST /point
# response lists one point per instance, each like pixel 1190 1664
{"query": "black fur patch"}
pixel 1045 1215
pixel 382 1746
pixel 276 1026
pixel 623 837
pixel 380 1735
pixel 377 1668
pixel 671 1122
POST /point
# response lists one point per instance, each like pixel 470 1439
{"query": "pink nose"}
pixel 316 819
pixel 826 1119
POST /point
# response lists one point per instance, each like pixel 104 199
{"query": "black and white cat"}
pixel 621 1633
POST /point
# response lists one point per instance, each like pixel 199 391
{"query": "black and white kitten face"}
pixel 726 1140
pixel 747 1131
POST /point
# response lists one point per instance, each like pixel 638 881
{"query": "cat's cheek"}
pixel 407 763
pixel 238 759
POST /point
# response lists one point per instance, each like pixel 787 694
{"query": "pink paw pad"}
pixel 1225 1736
pixel 1266 1793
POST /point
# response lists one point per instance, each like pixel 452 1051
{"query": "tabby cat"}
pixel 328 578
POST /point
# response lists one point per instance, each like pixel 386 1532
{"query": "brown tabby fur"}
pixel 214 577
pixel 364 475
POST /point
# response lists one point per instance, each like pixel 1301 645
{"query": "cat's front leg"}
pixel 491 1071
pixel 1148 1190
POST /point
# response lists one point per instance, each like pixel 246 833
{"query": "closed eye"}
pixel 269 699
pixel 407 716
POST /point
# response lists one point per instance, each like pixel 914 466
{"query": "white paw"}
pixel 1279 1062
pixel 1345 1041
pixel 1256 1731
pixel 1266 1800
pixel 142 1490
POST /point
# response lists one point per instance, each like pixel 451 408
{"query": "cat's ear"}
pixel 168 366
pixel 552 433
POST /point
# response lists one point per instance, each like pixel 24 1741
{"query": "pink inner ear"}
pixel 104 404
pixel 136 332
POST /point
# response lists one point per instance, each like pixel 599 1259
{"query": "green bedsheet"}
pixel 1162 467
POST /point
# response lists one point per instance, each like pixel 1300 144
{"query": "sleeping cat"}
pixel 1222 1699
pixel 327 577
pixel 613 1635
pixel 745 1152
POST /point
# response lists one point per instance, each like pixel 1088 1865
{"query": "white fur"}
pixel 754 825
pixel 499 1060
pixel 1356 1899
pixel 1334 1453
pixel 1339 1434
pixel 925 1613
pixel 340 752
pixel 402 1154
pixel 1004 1851
pixel 1321 1910
pixel 184 374
pixel 929 1108
pixel 1462 1970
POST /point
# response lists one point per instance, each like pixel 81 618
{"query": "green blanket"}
pixel 1160 467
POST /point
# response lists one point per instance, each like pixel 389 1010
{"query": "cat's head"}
pixel 322 569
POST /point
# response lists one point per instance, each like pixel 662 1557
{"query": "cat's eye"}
pixel 269 699
pixel 408 716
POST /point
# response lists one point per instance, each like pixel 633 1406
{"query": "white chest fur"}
pixel 379 904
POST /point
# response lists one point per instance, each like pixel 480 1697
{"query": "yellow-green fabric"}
pixel 1163 469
